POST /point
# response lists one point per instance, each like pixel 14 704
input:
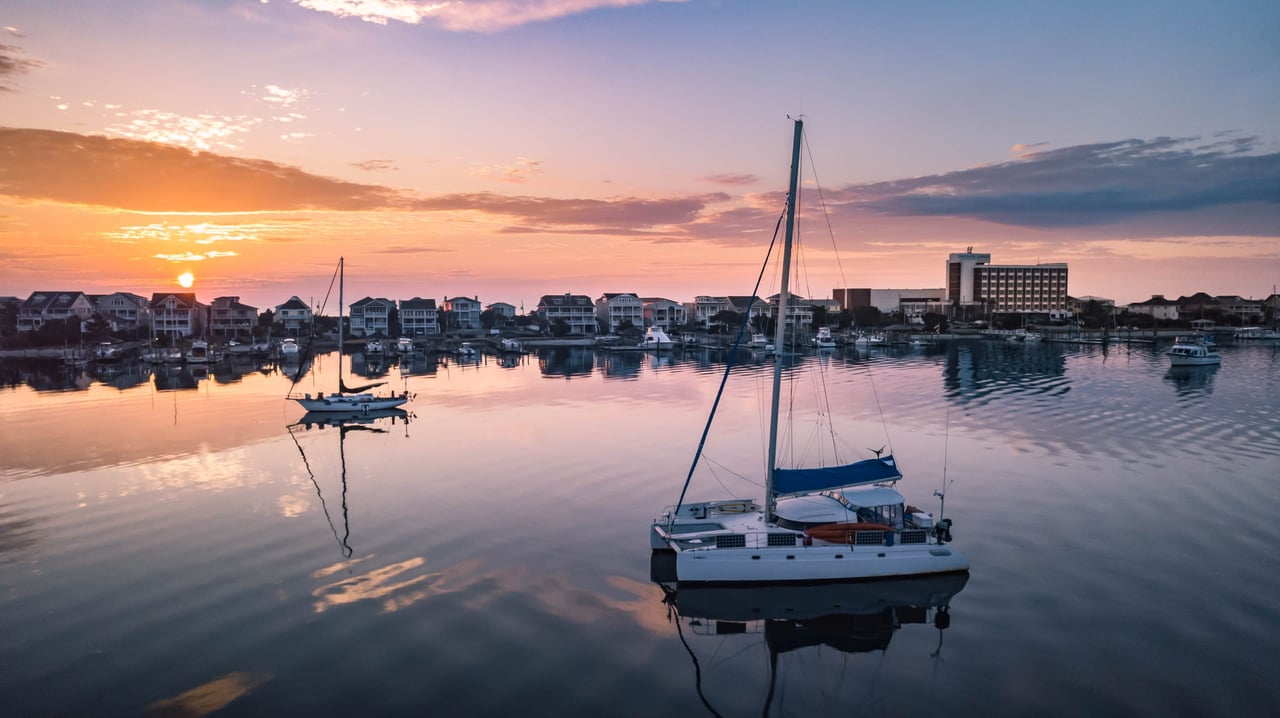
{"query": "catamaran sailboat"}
pixel 815 524
pixel 348 399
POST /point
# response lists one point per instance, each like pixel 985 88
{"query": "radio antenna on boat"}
pixel 942 494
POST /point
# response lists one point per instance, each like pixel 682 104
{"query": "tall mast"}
pixel 341 353
pixel 781 329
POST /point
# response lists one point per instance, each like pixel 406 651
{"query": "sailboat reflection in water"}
pixel 721 622
pixel 374 421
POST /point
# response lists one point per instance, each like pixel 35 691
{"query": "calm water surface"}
pixel 176 543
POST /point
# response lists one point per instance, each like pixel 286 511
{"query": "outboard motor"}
pixel 942 531
pixel 942 619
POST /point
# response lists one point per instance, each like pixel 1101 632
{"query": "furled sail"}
pixel 343 388
pixel 868 471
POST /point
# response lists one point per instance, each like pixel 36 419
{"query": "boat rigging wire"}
pixel 733 352
pixel 307 351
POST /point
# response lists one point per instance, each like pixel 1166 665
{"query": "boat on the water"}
pixel 109 352
pixel 289 350
pixel 198 353
pixel 348 399
pixel 782 539
pixel 874 339
pixel 824 339
pixel 655 339
pixel 1193 351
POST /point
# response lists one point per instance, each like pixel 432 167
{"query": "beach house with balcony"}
pixel 419 316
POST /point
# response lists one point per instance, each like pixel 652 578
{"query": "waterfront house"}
pixel 177 314
pixel 465 311
pixel 229 318
pixel 575 310
pixel 617 310
pixel 660 312
pixel 1157 307
pixel 42 307
pixel 124 312
pixel 419 316
pixel 1249 310
pixel 502 312
pixel 799 311
pixel 371 316
pixel 294 317
pixel 704 309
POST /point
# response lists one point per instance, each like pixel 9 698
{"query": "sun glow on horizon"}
pixel 186 279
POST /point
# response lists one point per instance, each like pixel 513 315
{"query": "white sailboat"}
pixel 348 399
pixel 815 524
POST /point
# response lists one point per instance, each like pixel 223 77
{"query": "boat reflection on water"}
pixel 850 617
pixel 1192 380
pixel 375 421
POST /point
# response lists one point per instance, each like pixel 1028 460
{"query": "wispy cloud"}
pixel 517 173
pixel 411 250
pixel 202 132
pixel 734 180
pixel 374 165
pixel 469 16
pixel 12 63
pixel 193 256
pixel 1101 183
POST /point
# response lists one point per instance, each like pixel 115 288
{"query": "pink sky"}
pixel 508 150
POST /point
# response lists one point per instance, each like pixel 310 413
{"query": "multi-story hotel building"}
pixel 1006 288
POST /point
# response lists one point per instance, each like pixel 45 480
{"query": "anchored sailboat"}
pixel 348 399
pixel 816 524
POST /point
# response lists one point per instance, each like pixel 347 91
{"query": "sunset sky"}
pixel 508 149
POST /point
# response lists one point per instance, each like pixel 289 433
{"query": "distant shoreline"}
pixel 32 353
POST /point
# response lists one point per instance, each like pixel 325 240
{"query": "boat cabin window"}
pixel 888 515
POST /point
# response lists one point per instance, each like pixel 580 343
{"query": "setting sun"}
pixel 186 279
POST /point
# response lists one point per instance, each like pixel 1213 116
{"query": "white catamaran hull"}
pixel 828 562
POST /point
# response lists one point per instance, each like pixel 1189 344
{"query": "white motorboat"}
pixel 289 350
pixel 824 340
pixel 871 340
pixel 199 352
pixel 348 399
pixel 108 352
pixel 655 338
pixel 1192 351
pixel 846 521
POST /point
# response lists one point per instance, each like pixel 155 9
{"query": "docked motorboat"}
pixel 655 338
